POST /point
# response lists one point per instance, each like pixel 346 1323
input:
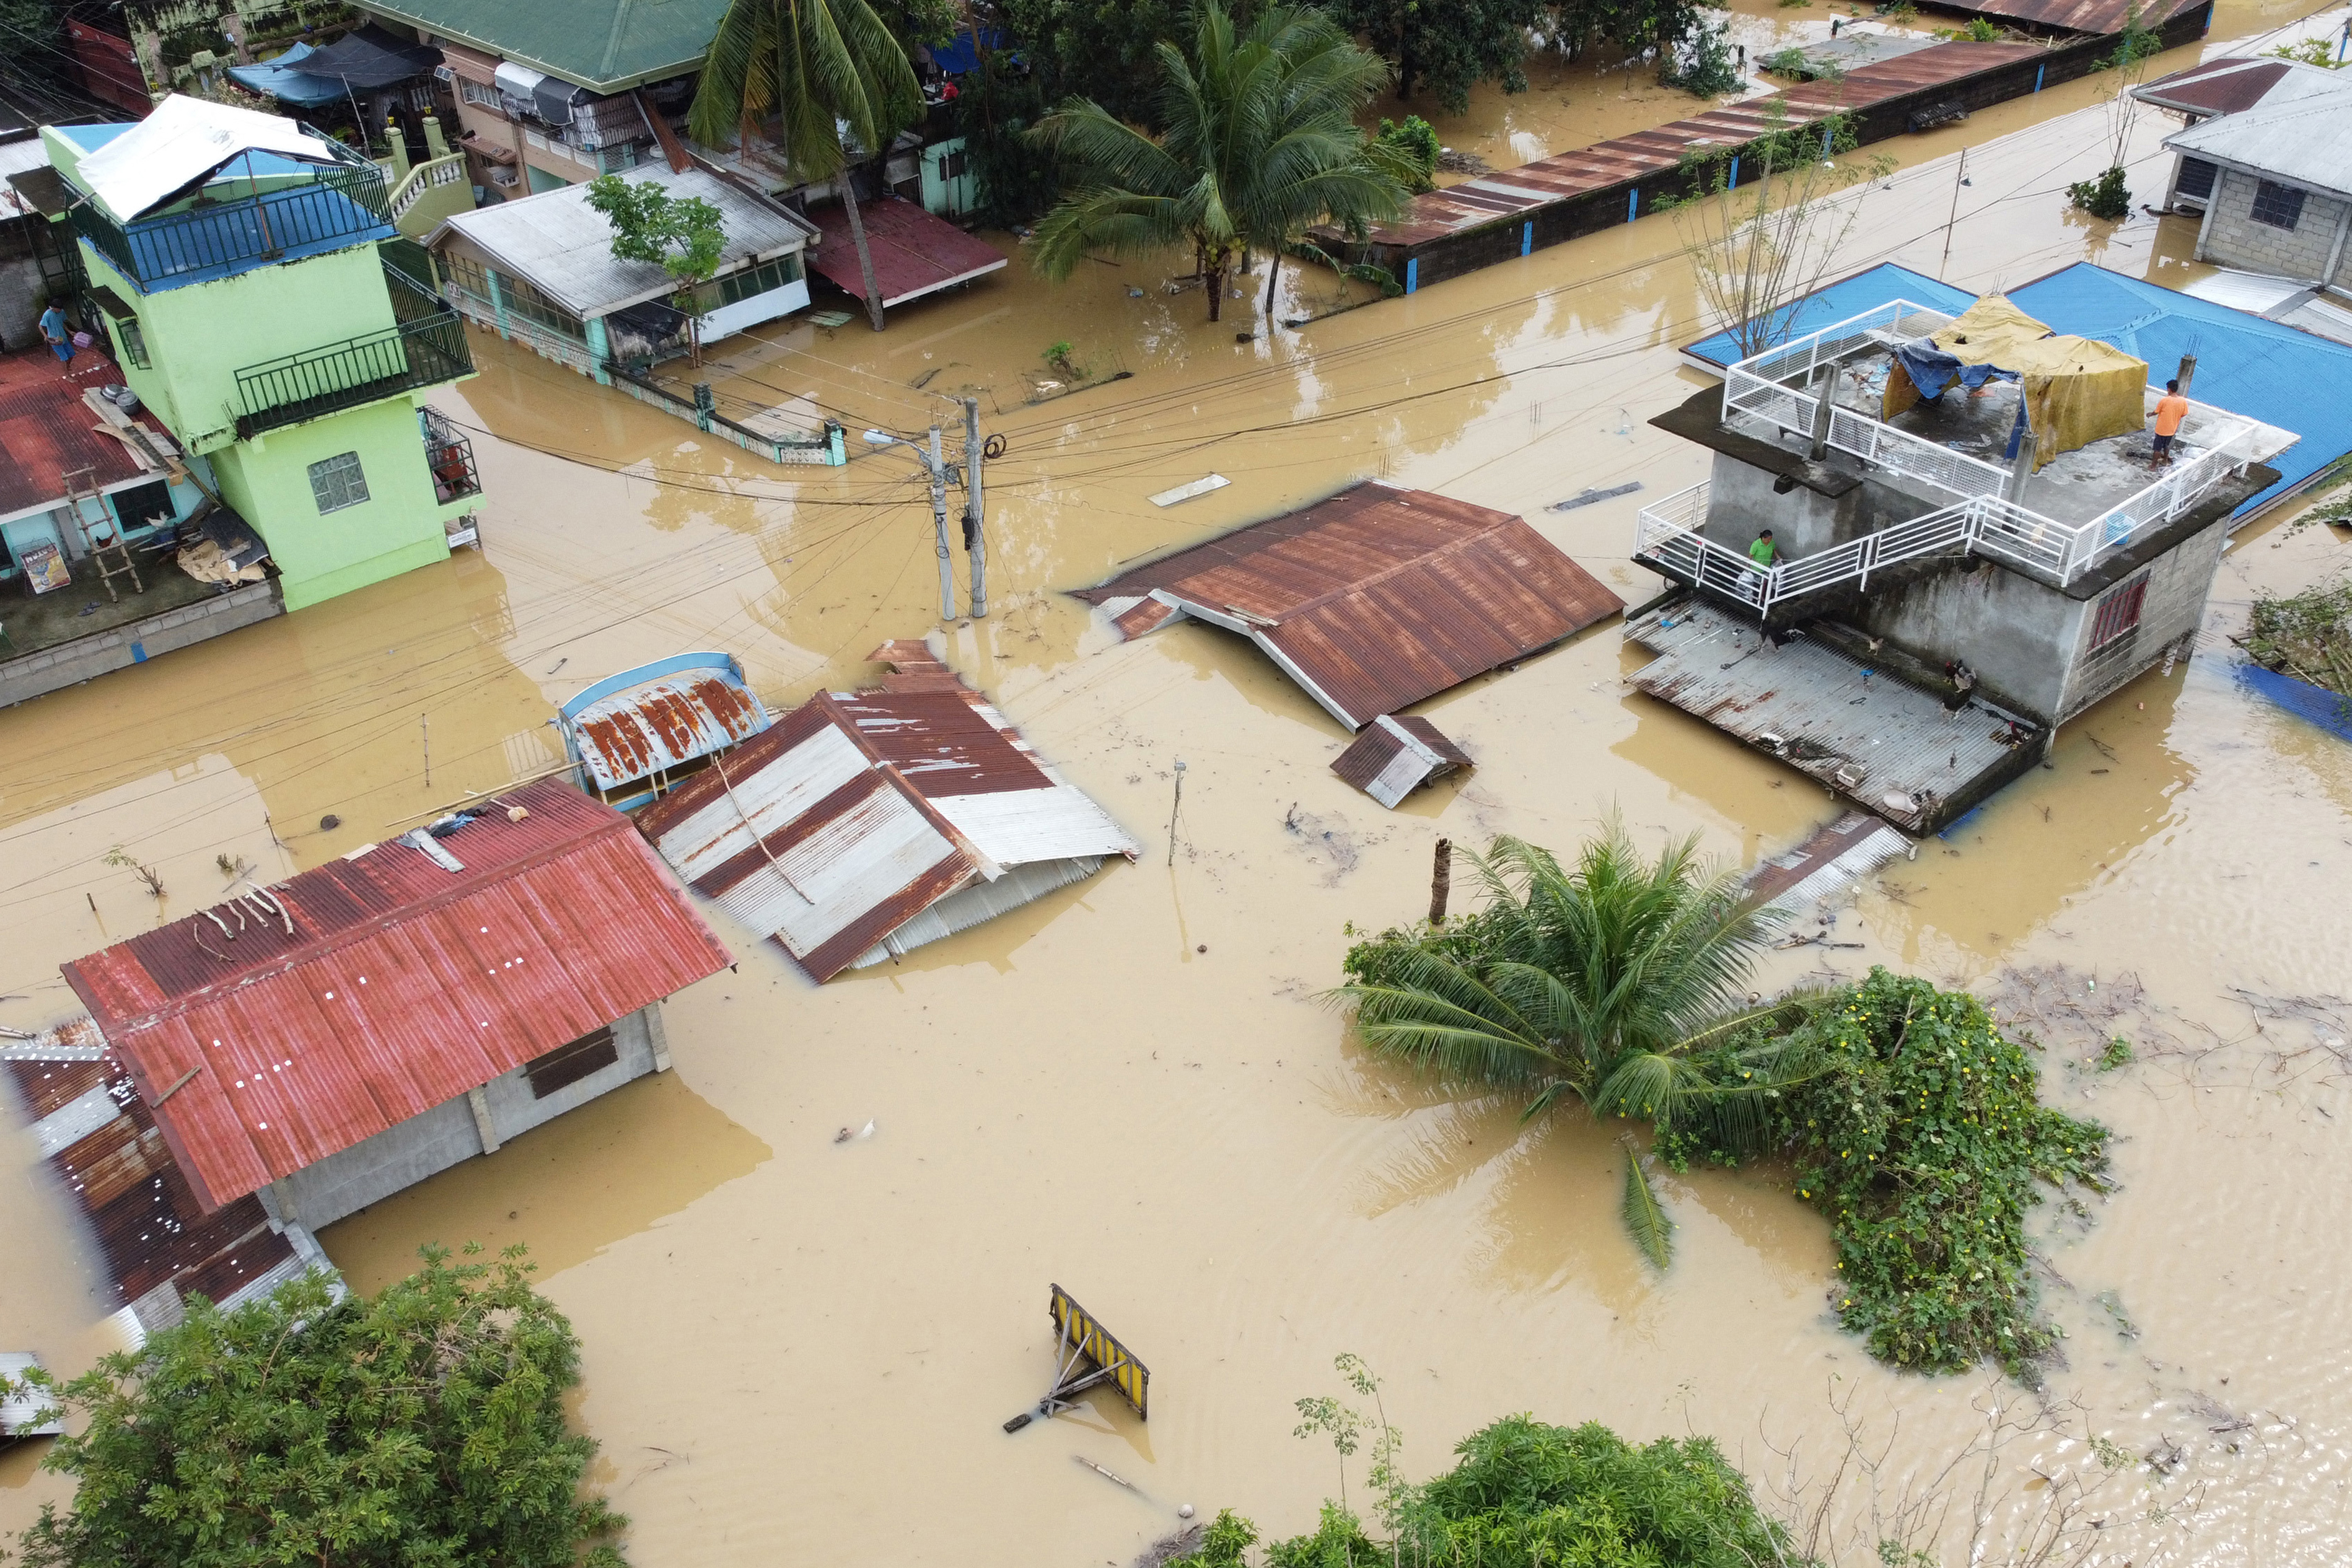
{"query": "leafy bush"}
pixel 1417 139
pixel 2310 51
pixel 423 1425
pixel 1337 1542
pixel 1917 1133
pixel 1981 30
pixel 2308 636
pixel 2103 197
pixel 1702 64
pixel 1787 62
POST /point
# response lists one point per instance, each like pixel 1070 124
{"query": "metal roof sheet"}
pixel 563 247
pixel 2304 142
pixel 857 813
pixel 383 985
pixel 1392 757
pixel 181 142
pixel 1377 597
pixel 914 254
pixel 696 705
pixel 2097 17
pixel 46 432
pixel 605 45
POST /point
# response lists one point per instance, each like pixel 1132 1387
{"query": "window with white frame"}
pixel 480 95
pixel 337 482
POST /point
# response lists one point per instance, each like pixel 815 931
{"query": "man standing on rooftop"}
pixel 2170 410
pixel 56 334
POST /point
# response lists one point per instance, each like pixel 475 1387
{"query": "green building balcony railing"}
pixel 425 348
pixel 242 221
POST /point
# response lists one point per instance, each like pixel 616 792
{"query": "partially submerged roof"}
pixel 642 721
pixel 2307 142
pixel 1831 858
pixel 2097 17
pixel 1393 757
pixel 1374 598
pixel 21 1407
pixel 46 432
pixel 274 1029
pixel 563 247
pixel 914 253
pixel 1833 302
pixel 607 46
pixel 847 828
pixel 185 140
pixel 2233 85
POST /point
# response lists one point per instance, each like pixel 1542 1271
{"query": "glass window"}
pixel 133 342
pixel 337 482
pixel 2196 179
pixel 2280 206
pixel 479 96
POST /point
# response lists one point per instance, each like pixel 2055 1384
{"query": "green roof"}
pixel 604 46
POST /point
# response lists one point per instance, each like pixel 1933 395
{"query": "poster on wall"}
pixel 45 566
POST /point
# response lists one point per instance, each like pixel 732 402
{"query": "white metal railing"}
pixel 1755 385
pixel 1899 452
pixel 1668 533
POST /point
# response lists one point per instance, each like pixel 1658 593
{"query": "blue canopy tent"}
pixel 284 80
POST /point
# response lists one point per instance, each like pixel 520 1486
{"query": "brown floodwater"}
pixel 802 1349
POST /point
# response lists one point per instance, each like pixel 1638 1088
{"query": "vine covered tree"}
pixel 813 68
pixel 422 1425
pixel 1260 143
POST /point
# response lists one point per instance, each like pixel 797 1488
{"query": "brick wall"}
pixel 2234 239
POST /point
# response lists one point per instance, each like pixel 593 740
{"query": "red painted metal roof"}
pixel 914 253
pixel 1378 597
pixel 400 985
pixel 46 430
pixel 2097 17
pixel 2234 86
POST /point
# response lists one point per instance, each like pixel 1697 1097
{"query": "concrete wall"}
pixel 2018 634
pixel 70 664
pixel 1741 501
pixel 398 529
pixel 452 1132
pixel 2177 583
pixel 2231 237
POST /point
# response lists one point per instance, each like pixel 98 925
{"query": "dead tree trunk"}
pixel 1441 880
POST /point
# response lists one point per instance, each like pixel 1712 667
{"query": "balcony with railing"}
pixel 425 348
pixel 449 456
pixel 259 211
pixel 2086 507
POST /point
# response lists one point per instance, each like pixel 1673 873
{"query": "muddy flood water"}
pixel 799 1351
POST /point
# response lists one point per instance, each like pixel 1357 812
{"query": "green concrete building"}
pixel 261 303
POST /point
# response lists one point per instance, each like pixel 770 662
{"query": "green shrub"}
pixel 1417 139
pixel 2103 197
pixel 1981 30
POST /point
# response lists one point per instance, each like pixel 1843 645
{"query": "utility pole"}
pixel 1960 178
pixel 938 466
pixel 975 541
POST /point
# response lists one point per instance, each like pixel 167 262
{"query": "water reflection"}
pixel 569 1189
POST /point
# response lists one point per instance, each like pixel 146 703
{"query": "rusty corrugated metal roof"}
pixel 913 667
pixel 2216 86
pixel 1392 757
pixel 399 986
pixel 1508 191
pixel 696 703
pixel 46 432
pixel 2096 18
pixel 859 811
pixel 1379 596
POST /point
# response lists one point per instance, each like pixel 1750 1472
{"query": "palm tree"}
pixel 1614 984
pixel 1261 142
pixel 823 66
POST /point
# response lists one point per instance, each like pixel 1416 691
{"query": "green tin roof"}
pixel 604 46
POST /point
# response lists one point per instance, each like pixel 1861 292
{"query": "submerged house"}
pixel 865 824
pixel 1373 599
pixel 634 736
pixel 1972 547
pixel 249 282
pixel 269 1065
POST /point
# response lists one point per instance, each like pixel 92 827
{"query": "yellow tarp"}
pixel 2077 390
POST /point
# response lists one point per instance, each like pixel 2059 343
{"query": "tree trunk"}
pixel 1273 277
pixel 864 253
pixel 1216 280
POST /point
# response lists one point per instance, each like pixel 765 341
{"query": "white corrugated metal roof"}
pixel 563 247
pixel 2307 142
pixel 2253 292
pixel 181 142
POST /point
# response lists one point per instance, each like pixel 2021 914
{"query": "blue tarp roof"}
pixel 1847 296
pixel 2268 370
pixel 960 54
pixel 284 80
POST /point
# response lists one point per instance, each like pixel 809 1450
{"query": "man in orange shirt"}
pixel 2170 410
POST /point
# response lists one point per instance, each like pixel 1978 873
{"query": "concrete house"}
pixel 241 269
pixel 2266 161
pixel 320 1043
pixel 1973 546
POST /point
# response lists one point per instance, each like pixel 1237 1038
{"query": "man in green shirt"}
pixel 1762 552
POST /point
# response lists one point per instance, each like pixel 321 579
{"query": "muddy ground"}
pixel 800 1351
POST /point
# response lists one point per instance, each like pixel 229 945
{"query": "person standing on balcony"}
pixel 56 334
pixel 2170 410
pixel 1764 552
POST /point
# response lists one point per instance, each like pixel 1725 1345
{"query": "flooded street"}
pixel 802 1351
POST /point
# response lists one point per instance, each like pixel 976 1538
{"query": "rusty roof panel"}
pixel 1584 170
pixel 46 430
pixel 1379 596
pixel 657 724
pixel 1395 756
pixel 2097 17
pixel 401 985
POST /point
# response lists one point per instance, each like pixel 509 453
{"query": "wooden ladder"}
pixel 111 557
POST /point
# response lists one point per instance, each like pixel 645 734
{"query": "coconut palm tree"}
pixel 1261 142
pixel 824 68
pixel 1614 984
